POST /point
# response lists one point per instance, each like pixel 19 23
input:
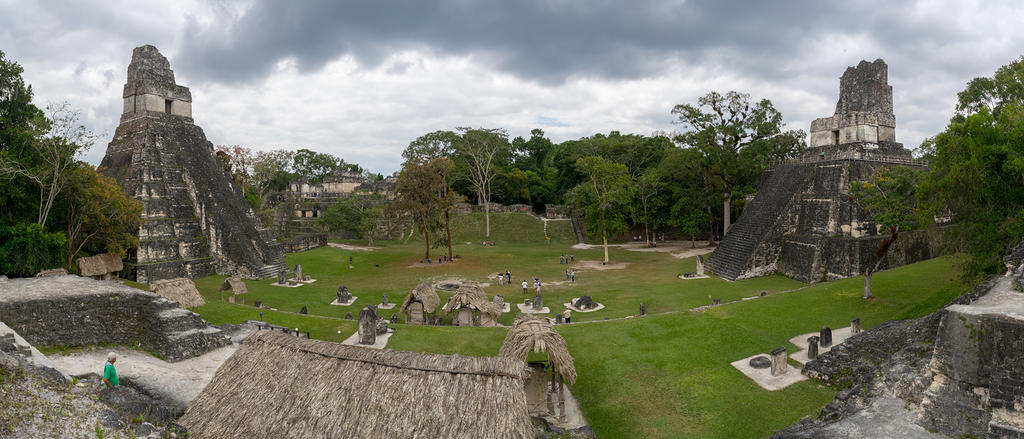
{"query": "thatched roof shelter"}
pixel 99 265
pixel 538 334
pixel 473 297
pixel 423 293
pixel 180 290
pixel 235 285
pixel 279 386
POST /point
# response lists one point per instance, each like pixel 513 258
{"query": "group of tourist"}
pixel 566 259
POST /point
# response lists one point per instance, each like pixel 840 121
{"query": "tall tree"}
pixel 890 197
pixel 359 214
pixel 646 190
pixel 433 146
pixel 98 214
pixel 420 194
pixel 52 158
pixel 481 147
pixel 605 196
pixel 734 135
pixel 1006 86
pixel 21 123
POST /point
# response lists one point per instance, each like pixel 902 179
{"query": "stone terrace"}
pixel 78 311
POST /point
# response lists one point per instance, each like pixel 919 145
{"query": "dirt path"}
pixel 678 249
pixel 178 383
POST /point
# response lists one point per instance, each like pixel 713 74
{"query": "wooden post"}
pixel 561 398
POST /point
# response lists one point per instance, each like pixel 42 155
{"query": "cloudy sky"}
pixel 360 79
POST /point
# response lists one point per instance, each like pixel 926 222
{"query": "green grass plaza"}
pixel 666 374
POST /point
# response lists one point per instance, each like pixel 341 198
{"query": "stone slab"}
pixel 303 281
pixel 838 336
pixel 764 378
pixel 382 306
pixel 528 309
pixel 703 276
pixel 350 302
pixel 381 340
pixel 569 305
pixel 286 285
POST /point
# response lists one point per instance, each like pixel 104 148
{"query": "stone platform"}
pixel 528 309
pixel 349 303
pixel 79 311
pixel 764 378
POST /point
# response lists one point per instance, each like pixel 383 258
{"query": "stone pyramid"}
pixel 195 219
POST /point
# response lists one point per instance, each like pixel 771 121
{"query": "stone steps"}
pixel 760 217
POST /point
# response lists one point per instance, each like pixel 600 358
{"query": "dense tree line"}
pixel 53 206
pixel 691 183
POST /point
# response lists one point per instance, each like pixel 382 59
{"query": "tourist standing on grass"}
pixel 572 275
pixel 109 373
pixel 524 286
pixel 508 277
pixel 567 315
pixel 566 274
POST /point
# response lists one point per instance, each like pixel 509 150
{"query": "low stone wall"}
pixel 78 311
pixel 302 243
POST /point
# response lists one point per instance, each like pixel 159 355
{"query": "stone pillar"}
pixel 643 309
pixel 348 316
pixel 825 337
pixel 258 304
pixel 559 319
pixel 281 277
pixel 700 265
pixel 303 310
pixel 779 361
pixel 298 271
pixel 384 299
pixel 855 326
pixel 368 325
pixel 812 347
pixel 538 302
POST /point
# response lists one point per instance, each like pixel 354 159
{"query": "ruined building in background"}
pixel 195 219
pixel 802 221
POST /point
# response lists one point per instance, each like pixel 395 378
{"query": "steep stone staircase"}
pixel 760 217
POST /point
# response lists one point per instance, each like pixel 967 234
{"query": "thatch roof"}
pixel 100 264
pixel 472 296
pixel 278 386
pixel 424 292
pixel 180 290
pixel 234 284
pixel 538 334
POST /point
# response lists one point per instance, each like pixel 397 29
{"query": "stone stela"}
pixel 779 361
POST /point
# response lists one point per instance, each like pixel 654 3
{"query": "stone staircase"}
pixel 578 228
pixel 762 217
pixel 269 271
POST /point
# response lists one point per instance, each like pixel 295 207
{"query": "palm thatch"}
pixel 180 290
pixel 538 334
pixel 100 265
pixel 279 386
pixel 235 285
pixel 473 297
pixel 425 294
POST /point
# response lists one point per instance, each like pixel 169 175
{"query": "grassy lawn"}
pixel 663 375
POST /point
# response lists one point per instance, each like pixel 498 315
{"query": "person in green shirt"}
pixel 109 373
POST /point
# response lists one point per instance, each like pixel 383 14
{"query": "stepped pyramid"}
pixel 195 219
pixel 802 221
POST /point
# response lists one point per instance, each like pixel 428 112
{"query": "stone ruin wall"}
pixel 960 370
pixel 76 311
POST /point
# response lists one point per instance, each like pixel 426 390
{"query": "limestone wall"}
pixel 78 311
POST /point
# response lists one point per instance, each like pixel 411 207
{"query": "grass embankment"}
pixel 663 375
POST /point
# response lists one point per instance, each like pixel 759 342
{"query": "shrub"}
pixel 26 249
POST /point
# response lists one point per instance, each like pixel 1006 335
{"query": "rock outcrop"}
pixel 196 220
pixel 802 221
